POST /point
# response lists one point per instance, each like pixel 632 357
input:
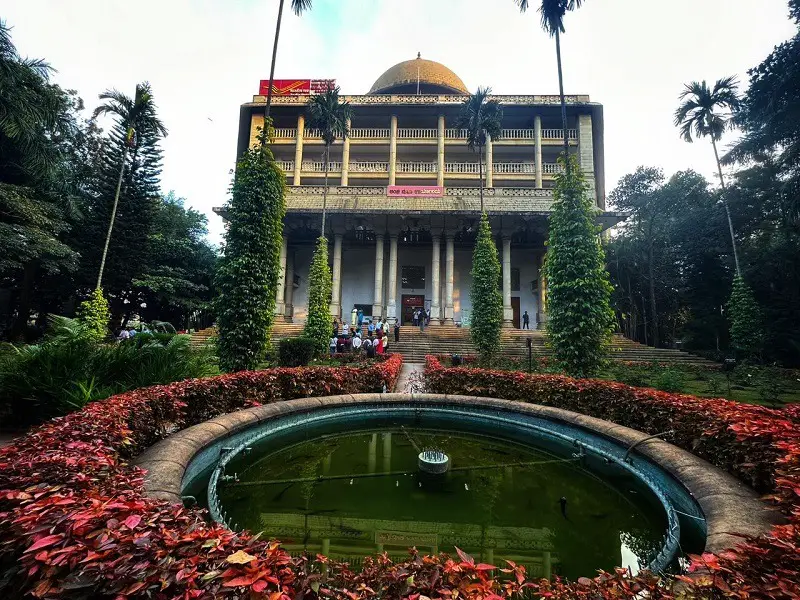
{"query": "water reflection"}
pixel 355 494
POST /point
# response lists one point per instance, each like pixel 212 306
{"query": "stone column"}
pixel 489 162
pixel 537 132
pixel 288 293
pixel 449 310
pixel 280 305
pixel 336 291
pixel 435 292
pixel 542 294
pixel 298 148
pixel 440 154
pixel 586 152
pixel 393 150
pixel 508 311
pixel 391 308
pixel 346 156
pixel 377 302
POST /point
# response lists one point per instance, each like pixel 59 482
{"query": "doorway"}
pixel 515 308
pixel 410 304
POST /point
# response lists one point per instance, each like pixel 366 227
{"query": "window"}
pixel 413 277
pixel 514 280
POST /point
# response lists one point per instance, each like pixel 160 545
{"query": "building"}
pixel 403 202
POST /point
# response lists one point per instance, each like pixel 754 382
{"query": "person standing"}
pixel 415 318
pixel 335 326
pixel 354 316
pixel 421 319
pixel 360 318
pixel 397 331
pixel 333 344
pixel 526 320
pixel 371 328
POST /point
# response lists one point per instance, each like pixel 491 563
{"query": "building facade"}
pixel 403 199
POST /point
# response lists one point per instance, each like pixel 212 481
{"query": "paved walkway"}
pixel 410 378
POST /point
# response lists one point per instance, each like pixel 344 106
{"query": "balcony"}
pixel 428 133
pixel 422 168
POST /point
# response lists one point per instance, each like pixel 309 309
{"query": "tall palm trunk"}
pixel 480 174
pixel 272 67
pixel 563 99
pixel 653 306
pixel 727 210
pixel 325 188
pixel 113 216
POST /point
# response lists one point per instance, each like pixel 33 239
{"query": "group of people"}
pixel 421 318
pixel 351 338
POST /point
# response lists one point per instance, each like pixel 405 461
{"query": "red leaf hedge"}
pixel 759 445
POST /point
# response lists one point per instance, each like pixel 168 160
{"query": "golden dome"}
pixel 433 77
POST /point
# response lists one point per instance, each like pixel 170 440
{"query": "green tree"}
pixel 481 118
pixel 552 14
pixel 318 324
pixel 298 6
pixel 331 116
pixel 708 112
pixel 247 277
pixel 136 117
pixel 747 334
pixel 580 319
pixel 177 277
pixel 487 302
pixel 93 313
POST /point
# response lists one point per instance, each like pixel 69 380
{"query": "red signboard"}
pixel 415 191
pixel 295 87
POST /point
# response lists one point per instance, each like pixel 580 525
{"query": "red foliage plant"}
pixel 759 445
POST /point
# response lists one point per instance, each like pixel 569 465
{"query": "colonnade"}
pixel 443 314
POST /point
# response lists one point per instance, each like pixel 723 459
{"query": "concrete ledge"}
pixel 731 508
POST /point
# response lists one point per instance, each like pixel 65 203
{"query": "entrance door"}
pixel 410 304
pixel 515 308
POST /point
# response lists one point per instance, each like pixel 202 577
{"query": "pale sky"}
pixel 205 57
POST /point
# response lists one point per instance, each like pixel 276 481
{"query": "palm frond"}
pixel 300 6
pixel 480 117
pixel 331 115
pixel 705 111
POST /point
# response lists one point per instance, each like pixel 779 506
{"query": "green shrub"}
pixel 70 368
pixel 93 313
pixel 670 380
pixel 744 314
pixel 296 352
pixel 248 272
pixel 580 318
pixel 319 324
pixel 487 302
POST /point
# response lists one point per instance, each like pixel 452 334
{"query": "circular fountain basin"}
pixel 340 476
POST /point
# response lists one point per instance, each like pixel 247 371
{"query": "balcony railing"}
pixel 286 132
pixel 286 165
pixel 417 133
pixel 455 134
pixel 514 168
pixel 319 166
pixel 461 167
pixel 517 134
pixel 369 167
pixel 369 133
pixel 552 168
pixel 416 167
pixel 558 134
pixel 312 134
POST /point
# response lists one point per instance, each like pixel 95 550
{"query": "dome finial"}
pixel 419 54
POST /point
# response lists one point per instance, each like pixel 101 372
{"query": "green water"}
pixel 348 495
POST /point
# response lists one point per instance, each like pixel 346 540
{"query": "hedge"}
pixel 759 445
pixel 74 522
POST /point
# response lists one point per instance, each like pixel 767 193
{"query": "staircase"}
pixel 414 345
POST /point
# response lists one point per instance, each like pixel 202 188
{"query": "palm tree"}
pixel 331 116
pixel 552 13
pixel 709 112
pixel 134 116
pixel 481 118
pixel 298 7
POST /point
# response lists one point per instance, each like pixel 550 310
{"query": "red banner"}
pixel 415 191
pixel 295 87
